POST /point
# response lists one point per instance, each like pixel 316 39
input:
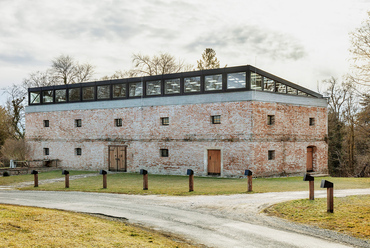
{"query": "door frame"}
pixel 205 162
pixel 125 146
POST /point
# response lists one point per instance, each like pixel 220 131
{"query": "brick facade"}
pixel 243 137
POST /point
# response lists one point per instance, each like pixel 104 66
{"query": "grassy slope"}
pixel 37 227
pixel 351 214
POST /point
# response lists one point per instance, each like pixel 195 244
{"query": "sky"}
pixel 304 42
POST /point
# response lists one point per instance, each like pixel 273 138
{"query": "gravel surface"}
pixel 213 221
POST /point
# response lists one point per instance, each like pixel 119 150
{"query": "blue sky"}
pixel 302 41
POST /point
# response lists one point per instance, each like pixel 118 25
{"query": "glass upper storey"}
pixel 223 80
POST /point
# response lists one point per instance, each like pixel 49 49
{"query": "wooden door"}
pixel 309 159
pixel 117 158
pixel 214 162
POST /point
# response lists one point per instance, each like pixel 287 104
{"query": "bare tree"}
pixel 208 60
pixel 15 149
pixel 5 126
pixel 15 108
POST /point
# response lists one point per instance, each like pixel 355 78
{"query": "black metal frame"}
pixel 224 71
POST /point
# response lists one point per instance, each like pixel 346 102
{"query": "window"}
pixel 46 151
pixel 268 84
pixel 35 97
pixel 153 88
pixel 236 80
pixel 256 81
pixel 292 91
pixel 78 151
pixel 279 87
pixel 78 123
pixel 271 154
pixel 165 121
pixel 270 119
pixel 136 89
pixel 119 90
pixel 60 95
pixel 88 93
pixel 47 96
pixel 312 121
pixel 46 123
pixel 216 119
pixel 172 86
pixel 118 122
pixel 213 82
pixel 74 94
pixel 192 84
pixel 163 152
pixel 103 92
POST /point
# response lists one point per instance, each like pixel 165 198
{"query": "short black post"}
pixel 248 173
pixel 190 173
pixel 35 177
pixel 330 192
pixel 145 178
pixel 311 183
pixel 66 175
pixel 104 173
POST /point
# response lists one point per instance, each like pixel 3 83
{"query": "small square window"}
pixel 216 119
pixel 118 122
pixel 271 154
pixel 78 123
pixel 165 121
pixel 46 151
pixel 312 121
pixel 78 151
pixel 164 152
pixel 270 119
pixel 46 123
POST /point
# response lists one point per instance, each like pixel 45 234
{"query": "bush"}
pixel 6 174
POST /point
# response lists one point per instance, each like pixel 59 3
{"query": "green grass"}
pixel 42 175
pixel 351 214
pixel 131 183
pixel 37 227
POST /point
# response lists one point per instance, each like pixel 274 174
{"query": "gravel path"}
pixel 214 221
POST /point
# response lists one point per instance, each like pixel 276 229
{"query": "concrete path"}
pixel 214 221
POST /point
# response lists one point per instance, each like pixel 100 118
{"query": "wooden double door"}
pixel 214 162
pixel 117 158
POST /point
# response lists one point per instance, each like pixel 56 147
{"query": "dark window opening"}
pixel 46 123
pixel 271 154
pixel 270 119
pixel 78 123
pixel 216 119
pixel 164 152
pixel 78 151
pixel 165 121
pixel 312 121
pixel 118 122
pixel 46 151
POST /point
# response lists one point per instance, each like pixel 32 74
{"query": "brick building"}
pixel 216 122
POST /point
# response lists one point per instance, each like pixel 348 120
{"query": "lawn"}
pixel 37 227
pixel 132 183
pixel 351 214
pixel 42 175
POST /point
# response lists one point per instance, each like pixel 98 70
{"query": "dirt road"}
pixel 215 221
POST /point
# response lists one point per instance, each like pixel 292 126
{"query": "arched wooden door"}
pixel 117 158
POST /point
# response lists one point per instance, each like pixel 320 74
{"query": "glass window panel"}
pixel 268 84
pixel 103 92
pixel 88 93
pixel 136 89
pixel 256 81
pixel 153 88
pixel 119 90
pixel 301 93
pixel 192 84
pixel 236 80
pixel 60 95
pixel 213 82
pixel 172 86
pixel 292 91
pixel 279 87
pixel 35 97
pixel 47 96
pixel 74 94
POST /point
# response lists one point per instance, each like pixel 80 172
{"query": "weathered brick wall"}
pixel 243 137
